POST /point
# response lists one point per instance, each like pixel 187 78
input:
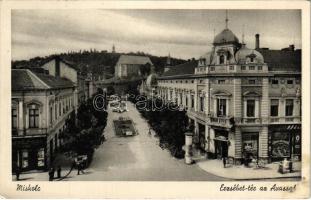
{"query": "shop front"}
pixel 221 143
pixel 285 142
pixel 28 153
pixel 250 145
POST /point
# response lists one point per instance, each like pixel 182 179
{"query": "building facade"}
pixel 248 98
pixel 131 66
pixel 41 104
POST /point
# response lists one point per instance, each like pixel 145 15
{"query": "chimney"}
pixel 291 47
pixel 257 41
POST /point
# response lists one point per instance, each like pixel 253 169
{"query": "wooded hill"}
pixel 99 62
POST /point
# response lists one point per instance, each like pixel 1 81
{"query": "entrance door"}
pixel 220 148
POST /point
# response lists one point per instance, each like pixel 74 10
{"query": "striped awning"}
pixel 294 127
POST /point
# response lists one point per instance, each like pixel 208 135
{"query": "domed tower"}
pixel 226 43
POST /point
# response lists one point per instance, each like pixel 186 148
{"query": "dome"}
pixel 245 54
pixel 226 36
pixel 151 80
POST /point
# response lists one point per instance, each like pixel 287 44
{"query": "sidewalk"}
pixel 240 172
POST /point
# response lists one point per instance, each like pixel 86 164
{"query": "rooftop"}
pixel 24 79
pixel 182 69
pixel 134 60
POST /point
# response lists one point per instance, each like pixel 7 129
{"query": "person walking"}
pixel 51 174
pixel 224 153
pixel 59 172
pixel 17 172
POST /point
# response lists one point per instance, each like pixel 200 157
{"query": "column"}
pixel 237 99
pixel 20 117
pixel 265 101
pixel 196 95
pixel 263 143
pixel 257 108
pixel 238 145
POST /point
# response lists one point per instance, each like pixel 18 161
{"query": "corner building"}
pixel 249 97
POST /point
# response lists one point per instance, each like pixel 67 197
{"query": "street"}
pixel 137 158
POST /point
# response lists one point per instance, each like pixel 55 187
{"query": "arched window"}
pixel 221 59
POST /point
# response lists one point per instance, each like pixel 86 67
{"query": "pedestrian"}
pixel 17 172
pixel 78 167
pixel 224 153
pixel 149 131
pixel 51 174
pixel 59 171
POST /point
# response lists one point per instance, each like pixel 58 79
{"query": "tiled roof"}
pixel 134 60
pixel 55 82
pixel 24 79
pixel 280 60
pixel 182 69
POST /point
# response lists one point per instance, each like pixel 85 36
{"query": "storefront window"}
pixel 274 108
pixel 250 109
pixel 250 143
pixel 281 145
pixel 25 159
pixel 41 157
pixel 289 107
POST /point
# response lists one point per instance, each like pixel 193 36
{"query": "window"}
pixel 251 67
pixel 274 107
pixel 51 115
pixel 25 159
pixel 14 118
pixel 180 97
pixel 212 68
pixel 252 82
pixel 55 111
pixel 201 103
pixel 221 59
pixel 186 100
pixel 243 67
pixel 192 101
pixel 221 81
pixel 221 107
pixel 192 81
pixel 40 156
pixel 60 109
pixel 250 108
pixel 260 67
pixel 289 107
pixel 34 118
pixel 275 81
pixel 252 59
pixel 290 82
pixel 231 67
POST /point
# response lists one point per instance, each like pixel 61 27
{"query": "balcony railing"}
pixel 222 121
pixel 288 119
pixel 251 120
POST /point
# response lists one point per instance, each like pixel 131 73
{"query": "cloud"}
pixel 81 29
pixel 182 33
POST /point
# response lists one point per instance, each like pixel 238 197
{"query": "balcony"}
pixel 198 114
pixel 221 121
pixel 251 120
pixel 285 120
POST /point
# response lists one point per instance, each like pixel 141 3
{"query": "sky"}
pixel 181 33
